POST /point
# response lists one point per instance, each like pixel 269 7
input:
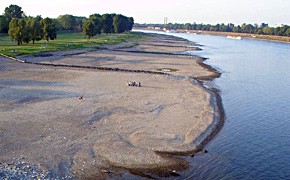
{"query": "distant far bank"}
pixel 244 35
pixel 274 38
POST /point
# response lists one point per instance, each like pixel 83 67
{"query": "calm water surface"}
pixel 255 89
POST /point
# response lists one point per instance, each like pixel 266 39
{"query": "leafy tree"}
pixel 278 31
pixel 13 30
pixel 243 27
pixel 194 26
pixel 249 28
pixel 217 27
pixel 287 33
pixel 119 23
pixel 35 29
pixel 93 26
pixel 176 26
pixel 267 30
pixel 130 23
pixel 199 27
pixel 231 27
pixel 282 30
pixel 259 31
pixel 188 26
pixel 89 28
pixel 97 20
pixel 38 18
pixel 169 25
pixel 224 28
pixel 237 29
pixel 4 26
pixel 49 29
pixel 67 21
pixel 107 20
pixel 13 11
pixel 16 30
pixel 107 23
pixel 26 30
pixel 95 15
pixel 57 24
pixel 79 23
pixel 206 27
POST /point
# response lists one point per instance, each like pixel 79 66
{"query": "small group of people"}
pixel 134 83
pixel 73 43
pixel 14 51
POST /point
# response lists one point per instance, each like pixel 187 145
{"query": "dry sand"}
pixel 114 127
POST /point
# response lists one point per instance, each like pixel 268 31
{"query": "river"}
pixel 254 142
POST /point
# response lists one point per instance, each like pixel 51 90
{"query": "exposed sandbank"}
pixel 114 127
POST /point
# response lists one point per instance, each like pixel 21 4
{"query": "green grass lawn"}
pixel 63 42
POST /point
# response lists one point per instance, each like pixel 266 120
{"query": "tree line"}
pixel 107 23
pixel 262 29
pixel 24 29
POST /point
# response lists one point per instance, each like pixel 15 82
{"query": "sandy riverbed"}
pixel 114 127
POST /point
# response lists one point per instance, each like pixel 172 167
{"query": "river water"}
pixel 254 142
pixel 255 89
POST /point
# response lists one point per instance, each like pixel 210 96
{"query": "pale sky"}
pixel 154 11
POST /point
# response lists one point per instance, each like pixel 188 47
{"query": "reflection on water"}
pixel 255 88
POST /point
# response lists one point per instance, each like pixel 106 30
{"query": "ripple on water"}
pixel 254 142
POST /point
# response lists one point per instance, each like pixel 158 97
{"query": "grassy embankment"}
pixel 63 42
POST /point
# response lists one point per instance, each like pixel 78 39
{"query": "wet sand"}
pixel 113 128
